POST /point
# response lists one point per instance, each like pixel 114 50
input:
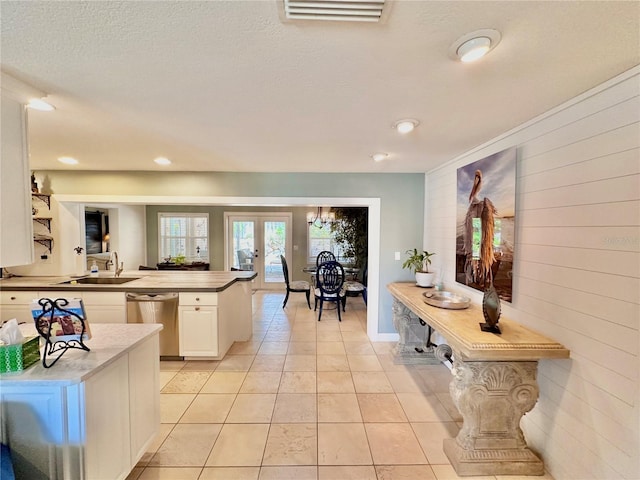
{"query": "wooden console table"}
pixel 494 382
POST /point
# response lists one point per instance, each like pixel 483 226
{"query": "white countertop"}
pixel 108 342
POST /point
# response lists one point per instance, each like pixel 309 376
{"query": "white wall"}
pixel 576 272
pixel 127 229
pixel 127 225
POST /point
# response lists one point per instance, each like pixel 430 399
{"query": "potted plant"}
pixel 350 231
pixel 419 263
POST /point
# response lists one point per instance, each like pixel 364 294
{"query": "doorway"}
pixel 69 204
pixel 255 241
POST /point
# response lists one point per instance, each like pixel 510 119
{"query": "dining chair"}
pixel 297 286
pixel 325 256
pixel 353 288
pixel 329 281
pixel 245 259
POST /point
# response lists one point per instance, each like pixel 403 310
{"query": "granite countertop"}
pixel 107 343
pixel 145 280
pixel 463 334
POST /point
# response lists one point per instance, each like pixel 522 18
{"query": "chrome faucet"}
pixel 118 266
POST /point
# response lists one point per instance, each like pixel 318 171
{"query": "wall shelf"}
pixel 45 197
pixel 46 221
pixel 45 241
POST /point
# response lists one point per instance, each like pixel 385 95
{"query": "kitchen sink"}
pixel 99 280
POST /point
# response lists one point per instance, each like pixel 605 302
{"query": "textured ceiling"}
pixel 228 86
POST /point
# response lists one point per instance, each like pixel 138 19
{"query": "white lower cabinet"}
pixel 101 307
pixel 198 324
pixel 144 396
pixel 16 305
pixel 106 402
pixel 93 430
pixel 105 307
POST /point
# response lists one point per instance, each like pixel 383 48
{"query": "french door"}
pixel 255 241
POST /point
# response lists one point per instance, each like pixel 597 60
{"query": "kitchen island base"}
pixel 92 415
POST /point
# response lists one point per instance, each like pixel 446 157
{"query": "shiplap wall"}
pixel 576 272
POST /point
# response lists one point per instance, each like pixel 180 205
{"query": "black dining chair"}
pixel 325 256
pixel 329 281
pixel 297 286
pixel 353 288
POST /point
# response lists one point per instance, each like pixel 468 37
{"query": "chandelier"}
pixel 321 218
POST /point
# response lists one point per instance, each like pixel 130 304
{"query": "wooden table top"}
pixel 462 331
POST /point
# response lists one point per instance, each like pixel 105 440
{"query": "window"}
pixel 321 239
pixel 183 234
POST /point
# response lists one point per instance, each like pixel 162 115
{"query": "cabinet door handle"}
pixel 13 298
pixel 197 299
pixel 197 309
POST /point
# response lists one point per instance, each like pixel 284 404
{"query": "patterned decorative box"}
pixel 15 358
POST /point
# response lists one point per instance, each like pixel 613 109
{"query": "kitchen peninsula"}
pixel 92 415
pixel 214 308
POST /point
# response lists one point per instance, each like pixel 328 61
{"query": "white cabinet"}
pixel 101 307
pixel 93 430
pixel 108 443
pixel 105 307
pixel 198 324
pixel 122 417
pixel 16 226
pixel 144 405
pixel 16 305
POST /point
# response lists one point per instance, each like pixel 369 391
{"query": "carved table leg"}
pixel 413 335
pixel 492 397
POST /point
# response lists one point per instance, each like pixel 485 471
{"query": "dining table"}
pixel 312 269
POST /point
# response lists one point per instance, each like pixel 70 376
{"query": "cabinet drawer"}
pixel 198 298
pixel 53 294
pixel 17 298
pixel 103 298
pixel 105 313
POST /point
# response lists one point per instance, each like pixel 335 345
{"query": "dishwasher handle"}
pixel 151 297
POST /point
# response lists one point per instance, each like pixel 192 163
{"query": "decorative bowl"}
pixel 448 300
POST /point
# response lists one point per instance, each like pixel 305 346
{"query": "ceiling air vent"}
pixel 336 10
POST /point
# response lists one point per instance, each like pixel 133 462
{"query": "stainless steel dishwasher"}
pixel 157 308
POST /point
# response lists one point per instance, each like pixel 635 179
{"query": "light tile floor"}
pixel 303 400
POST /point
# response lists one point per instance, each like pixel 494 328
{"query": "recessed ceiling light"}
pixel 39 104
pixel 68 160
pixel 405 126
pixel 378 157
pixel 474 45
pixel 162 161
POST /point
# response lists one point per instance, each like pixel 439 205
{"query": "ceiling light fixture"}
pixel 378 157
pixel 474 45
pixel 405 126
pixel 321 218
pixel 162 161
pixel 68 160
pixel 39 104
